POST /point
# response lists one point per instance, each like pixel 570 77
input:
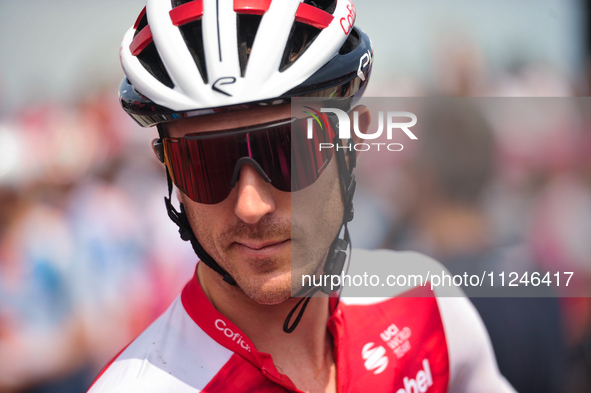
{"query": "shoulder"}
pixel 391 256
pixel 470 354
pixel 472 360
pixel 173 354
pixel 361 258
pixel 395 273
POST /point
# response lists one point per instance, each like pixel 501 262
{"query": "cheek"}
pixel 317 215
pixel 323 193
pixel 206 221
pixel 319 207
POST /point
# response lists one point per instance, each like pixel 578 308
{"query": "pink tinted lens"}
pixel 202 165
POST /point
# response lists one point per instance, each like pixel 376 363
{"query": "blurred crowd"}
pixel 88 257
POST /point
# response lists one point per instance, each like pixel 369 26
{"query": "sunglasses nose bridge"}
pixel 238 167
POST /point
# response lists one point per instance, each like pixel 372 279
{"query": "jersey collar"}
pixel 227 334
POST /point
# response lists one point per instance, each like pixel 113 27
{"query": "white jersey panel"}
pixel 172 355
pixel 473 367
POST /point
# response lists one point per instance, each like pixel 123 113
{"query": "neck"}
pixel 263 324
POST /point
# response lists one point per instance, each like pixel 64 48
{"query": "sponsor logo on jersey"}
pixel 397 340
pixel 375 358
pixel 420 383
pixel 236 337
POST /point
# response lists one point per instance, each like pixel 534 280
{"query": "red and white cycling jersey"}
pixel 404 344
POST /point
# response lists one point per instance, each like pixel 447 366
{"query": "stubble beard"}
pixel 270 287
pixel 273 284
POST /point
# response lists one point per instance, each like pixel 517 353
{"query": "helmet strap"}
pixel 337 254
pixel 186 232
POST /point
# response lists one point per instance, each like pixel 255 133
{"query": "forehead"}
pixel 228 121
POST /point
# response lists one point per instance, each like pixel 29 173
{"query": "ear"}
pixel 364 120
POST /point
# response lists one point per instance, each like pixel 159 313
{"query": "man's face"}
pixel 257 231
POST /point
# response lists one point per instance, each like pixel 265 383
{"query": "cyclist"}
pixel 216 78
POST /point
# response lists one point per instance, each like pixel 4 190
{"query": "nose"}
pixel 254 196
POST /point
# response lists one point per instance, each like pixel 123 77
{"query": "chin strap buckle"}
pixel 185 235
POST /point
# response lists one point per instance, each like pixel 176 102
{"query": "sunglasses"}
pixel 206 166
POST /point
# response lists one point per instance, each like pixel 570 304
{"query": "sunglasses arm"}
pixel 158 147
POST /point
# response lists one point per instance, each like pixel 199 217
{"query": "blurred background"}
pixel 88 257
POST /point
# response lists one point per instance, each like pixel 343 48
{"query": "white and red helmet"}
pixel 186 58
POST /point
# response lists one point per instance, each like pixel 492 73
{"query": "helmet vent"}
pixel 152 62
pixel 351 43
pixel 325 5
pixel 193 35
pixel 300 38
pixel 149 57
pixel 247 30
pixel 141 23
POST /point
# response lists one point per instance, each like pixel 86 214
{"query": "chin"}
pixel 269 291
